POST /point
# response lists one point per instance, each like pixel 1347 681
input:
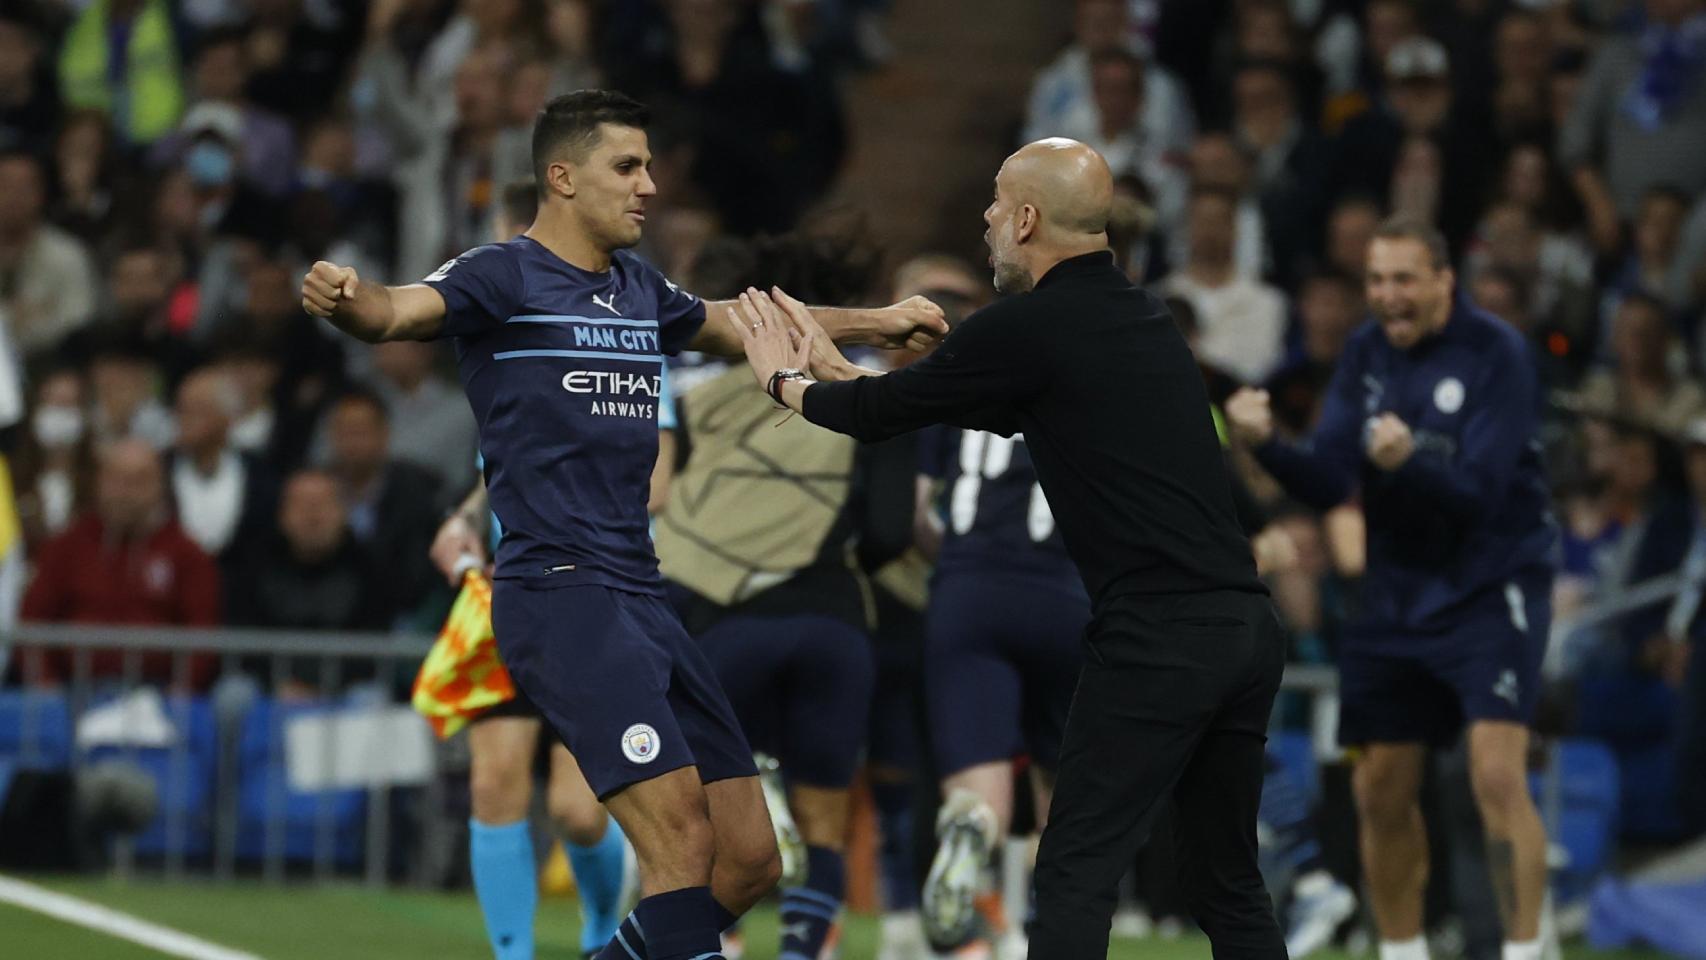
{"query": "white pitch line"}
pixel 113 923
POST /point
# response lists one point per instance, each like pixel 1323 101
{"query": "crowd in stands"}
pixel 192 449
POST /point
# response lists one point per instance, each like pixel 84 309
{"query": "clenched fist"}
pixel 1389 442
pixel 326 286
pixel 1250 416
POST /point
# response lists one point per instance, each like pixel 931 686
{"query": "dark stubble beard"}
pixel 1010 278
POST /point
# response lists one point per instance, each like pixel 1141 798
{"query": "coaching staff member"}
pixel 1432 415
pixel 1183 654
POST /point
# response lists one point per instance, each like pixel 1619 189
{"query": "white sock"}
pixel 1415 948
pixel 1526 950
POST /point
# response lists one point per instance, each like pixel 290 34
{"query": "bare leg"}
pixel 1516 839
pixel 1387 782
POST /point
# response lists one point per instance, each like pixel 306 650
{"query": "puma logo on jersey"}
pixel 1506 689
pixel 608 303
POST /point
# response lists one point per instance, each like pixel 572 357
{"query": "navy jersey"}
pixel 996 518
pixel 1469 510
pixel 562 367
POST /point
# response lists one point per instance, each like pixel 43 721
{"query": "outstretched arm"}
pixel 369 311
pixel 973 381
pixel 914 323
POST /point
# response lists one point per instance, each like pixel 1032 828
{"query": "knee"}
pixel 1384 802
pixel 498 792
pixel 753 867
pixel 1499 788
pixel 578 815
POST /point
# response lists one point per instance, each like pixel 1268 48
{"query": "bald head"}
pixel 130 487
pixel 1053 199
pixel 1066 181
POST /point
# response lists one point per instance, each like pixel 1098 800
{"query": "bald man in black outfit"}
pixel 1184 653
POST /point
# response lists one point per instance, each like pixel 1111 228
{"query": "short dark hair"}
pixel 570 123
pixel 520 202
pixel 1402 227
pixel 1119 55
pixel 363 395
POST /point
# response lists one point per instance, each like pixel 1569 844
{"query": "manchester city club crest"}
pixel 640 743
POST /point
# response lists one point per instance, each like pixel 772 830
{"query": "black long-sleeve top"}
pixel 1095 374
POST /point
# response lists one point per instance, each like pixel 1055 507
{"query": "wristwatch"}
pixel 774 386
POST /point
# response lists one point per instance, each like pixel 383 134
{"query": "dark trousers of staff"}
pixel 1174 699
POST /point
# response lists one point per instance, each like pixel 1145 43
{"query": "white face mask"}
pixel 58 427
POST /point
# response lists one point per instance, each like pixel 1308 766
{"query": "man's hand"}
pixel 914 323
pixel 767 337
pixel 456 544
pixel 1389 442
pixel 326 286
pixel 1250 416
pixel 827 363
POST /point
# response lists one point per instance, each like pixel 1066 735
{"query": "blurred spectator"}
pixel 1644 384
pixel 1062 96
pixel 1640 118
pixel 224 498
pixel 1114 125
pixel 1522 56
pixel 299 54
pixel 148 304
pixel 302 367
pixel 1220 162
pixel 121 56
pixel 264 143
pixel 47 282
pixel 1654 263
pixel 1350 226
pixel 443 164
pixel 393 506
pixel 54 468
pixel 124 382
pixel 1291 161
pixel 431 425
pixel 1329 307
pixel 127 563
pixel 765 142
pixel 338 213
pixel 1418 138
pixel 307 573
pixel 86 171
pixel 29 105
pixel 1504 293
pixel 1242 319
pixel 1556 270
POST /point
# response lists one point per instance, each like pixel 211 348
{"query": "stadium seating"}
pixel 35 729
pixel 183 779
pixel 264 789
pixel 1587 813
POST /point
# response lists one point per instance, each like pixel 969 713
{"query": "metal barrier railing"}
pixel 250 662
pixel 386 661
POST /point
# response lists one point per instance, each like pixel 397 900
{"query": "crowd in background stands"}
pixel 168 168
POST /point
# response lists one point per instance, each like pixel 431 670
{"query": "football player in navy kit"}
pixel 1007 613
pixel 560 336
pixel 1432 412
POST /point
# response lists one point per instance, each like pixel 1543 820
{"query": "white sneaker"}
pixel 1013 945
pixel 965 832
pixel 1319 905
pixel 902 937
pixel 788 841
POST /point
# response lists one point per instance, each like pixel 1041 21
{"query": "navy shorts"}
pixel 1001 660
pixel 617 677
pixel 801 686
pixel 1424 688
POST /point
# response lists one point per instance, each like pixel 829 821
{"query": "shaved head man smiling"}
pixel 1183 653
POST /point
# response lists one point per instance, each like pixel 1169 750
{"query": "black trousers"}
pixel 1174 699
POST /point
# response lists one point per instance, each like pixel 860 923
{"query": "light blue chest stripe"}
pixel 563 318
pixel 579 355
